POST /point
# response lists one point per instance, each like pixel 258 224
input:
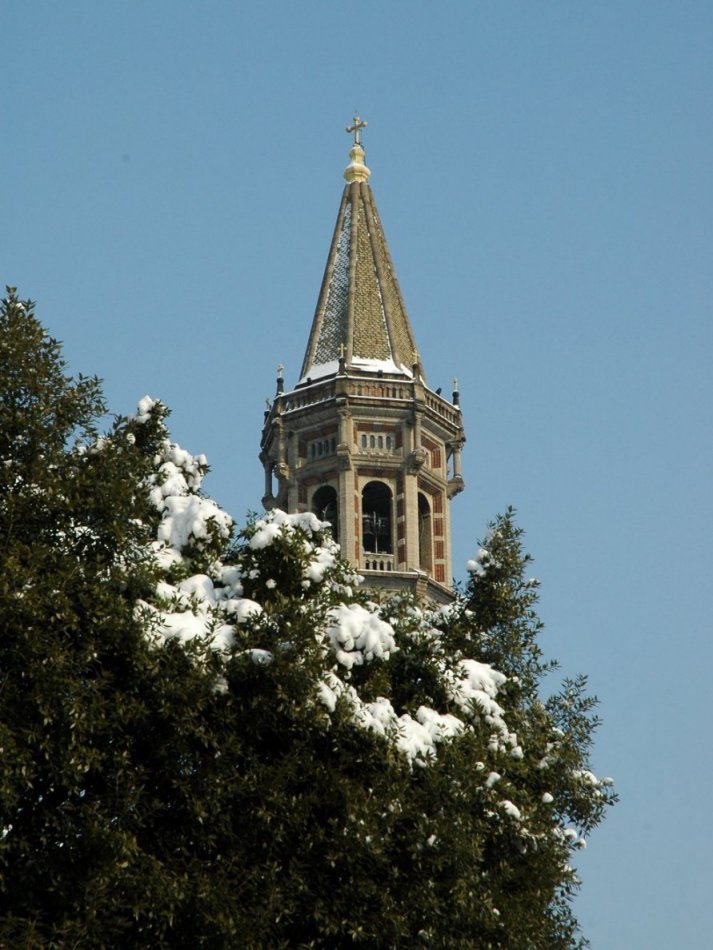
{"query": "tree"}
pixel 79 681
pixel 223 741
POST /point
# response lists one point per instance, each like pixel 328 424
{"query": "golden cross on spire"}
pixel 359 124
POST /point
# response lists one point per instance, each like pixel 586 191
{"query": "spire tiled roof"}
pixel 360 313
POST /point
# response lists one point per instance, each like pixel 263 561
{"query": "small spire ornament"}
pixel 356 170
pixel 359 124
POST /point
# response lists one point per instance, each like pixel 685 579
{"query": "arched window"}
pixel 376 519
pixel 425 534
pixel 325 506
pixel 363 441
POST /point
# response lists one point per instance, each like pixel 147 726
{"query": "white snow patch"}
pixel 474 686
pixel 331 368
pixel 383 366
pixel 199 586
pixel 276 522
pixel 143 410
pixel 191 518
pixel 586 777
pixel 357 635
pixel 244 609
pixel 512 810
pixel 417 737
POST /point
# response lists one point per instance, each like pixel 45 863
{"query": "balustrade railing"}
pixel 442 408
pixel 378 562
pixel 308 397
pixel 371 389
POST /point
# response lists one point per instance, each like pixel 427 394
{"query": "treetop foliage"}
pixel 215 737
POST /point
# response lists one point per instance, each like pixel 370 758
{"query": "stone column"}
pixel 345 491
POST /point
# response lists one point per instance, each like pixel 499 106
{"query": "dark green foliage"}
pixel 154 794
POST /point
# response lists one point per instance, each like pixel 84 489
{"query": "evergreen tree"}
pixel 226 743
pixel 78 681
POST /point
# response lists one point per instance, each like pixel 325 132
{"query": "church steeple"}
pixel 360 307
pixel 361 440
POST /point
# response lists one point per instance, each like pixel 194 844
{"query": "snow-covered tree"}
pixel 218 739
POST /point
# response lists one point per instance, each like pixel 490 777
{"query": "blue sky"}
pixel 170 174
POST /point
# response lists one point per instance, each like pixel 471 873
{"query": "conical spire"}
pixel 360 315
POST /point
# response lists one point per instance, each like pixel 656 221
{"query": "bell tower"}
pixel 361 440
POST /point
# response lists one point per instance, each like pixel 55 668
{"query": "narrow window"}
pixel 376 504
pixel 325 506
pixel 425 534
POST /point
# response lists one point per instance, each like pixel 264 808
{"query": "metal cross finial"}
pixel 280 369
pixel 359 124
pixel 342 351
